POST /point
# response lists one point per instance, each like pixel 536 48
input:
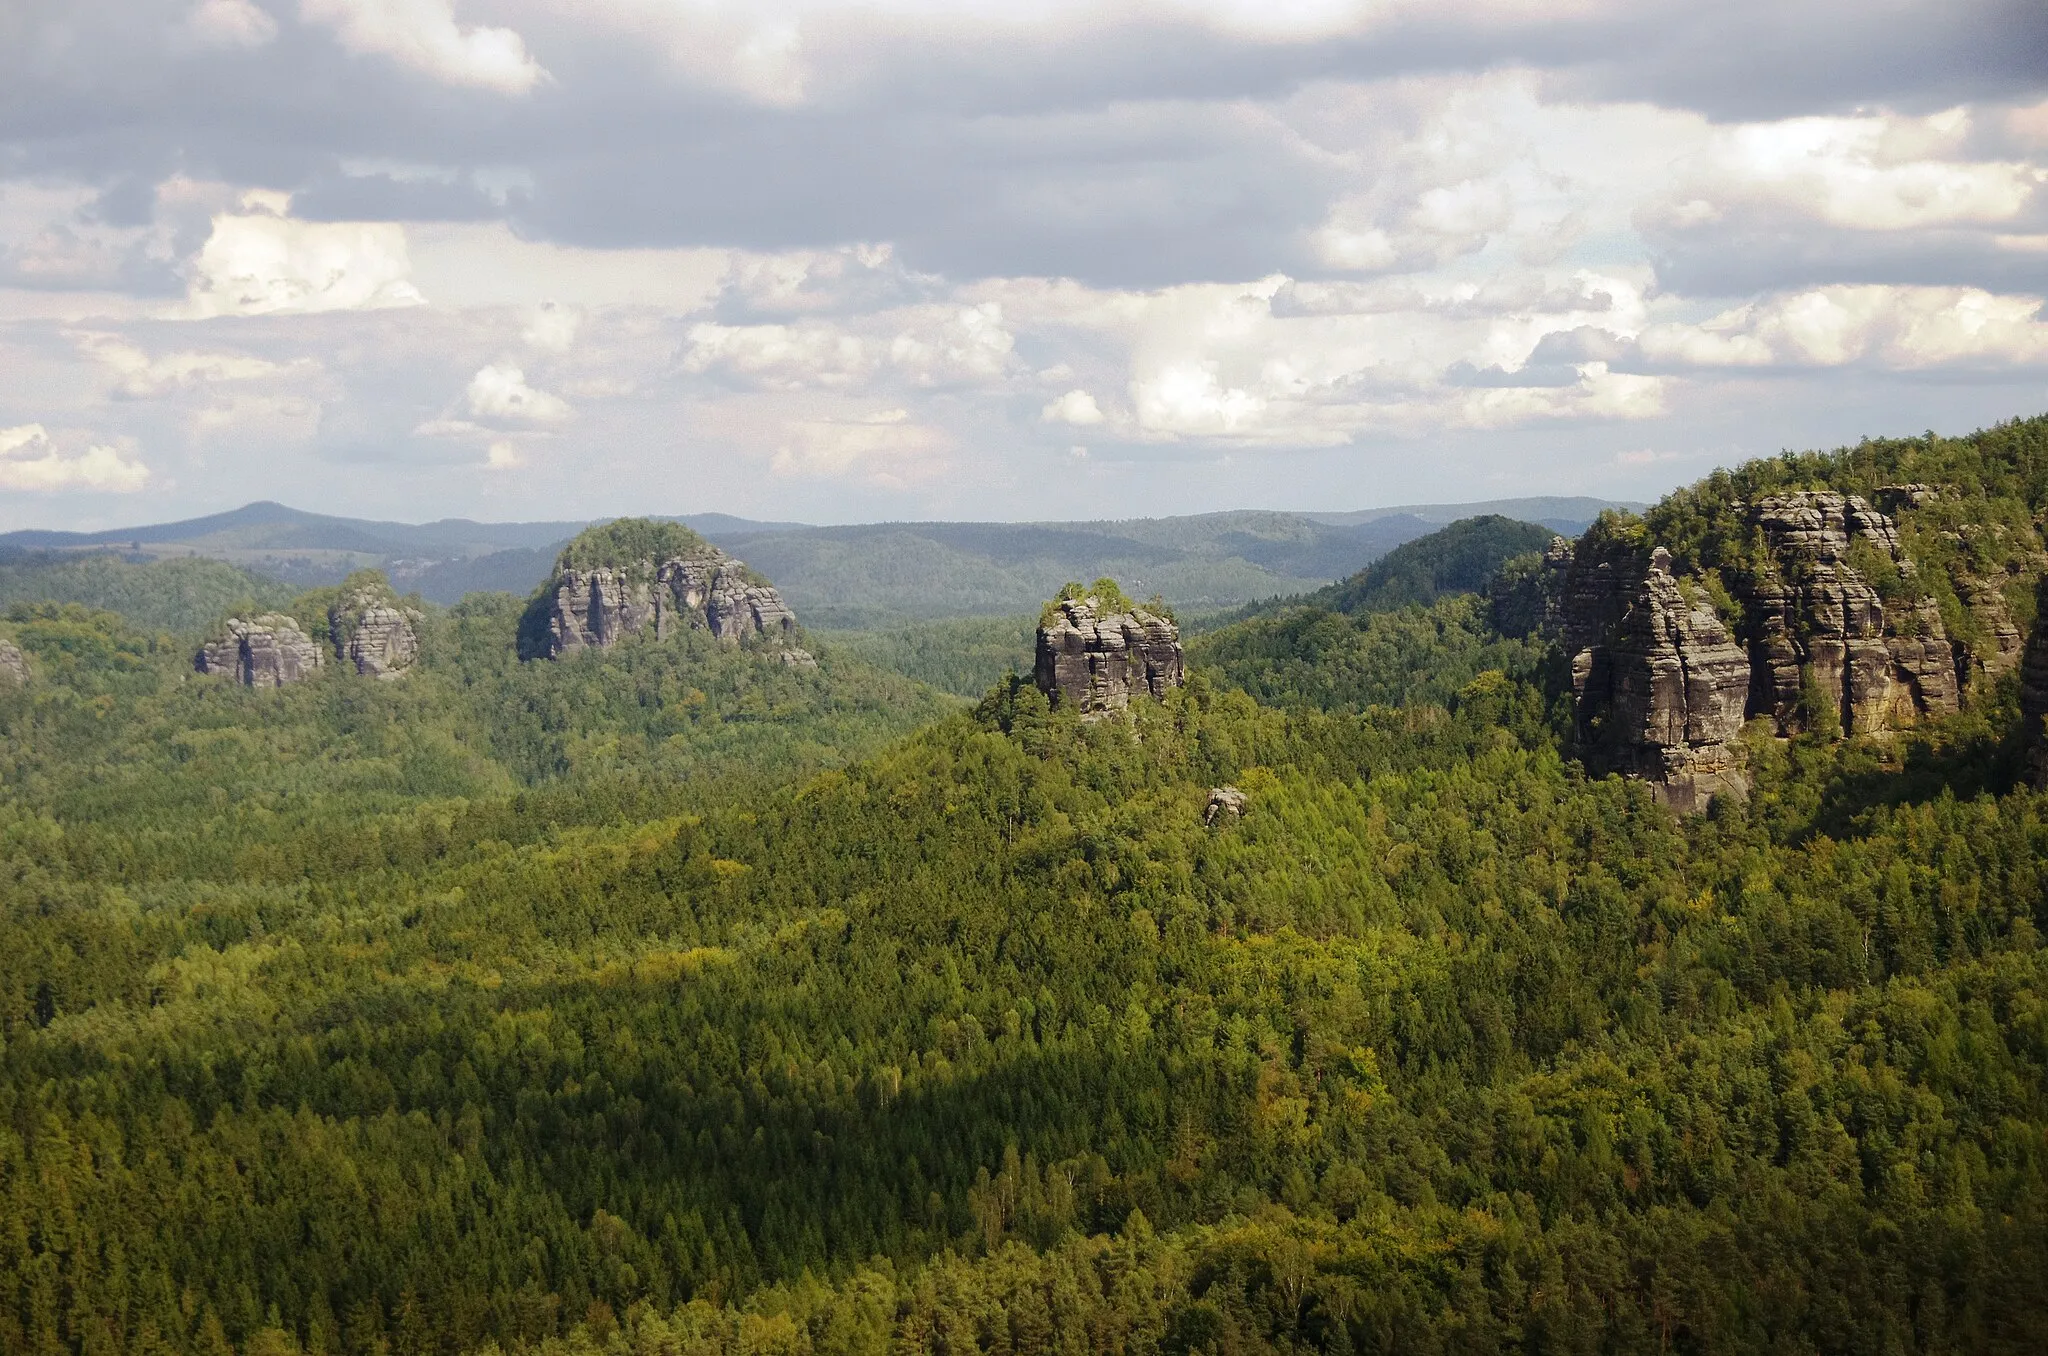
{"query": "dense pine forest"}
pixel 674 999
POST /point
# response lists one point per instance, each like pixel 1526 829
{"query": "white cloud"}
pixel 1188 398
pixel 31 460
pixel 969 345
pixel 1894 328
pixel 1598 394
pixel 1075 407
pixel 500 392
pixel 503 456
pixel 1875 173
pixel 140 376
pixel 423 35
pixel 552 327
pixel 231 23
pixel 786 357
pixel 262 263
pixel 885 448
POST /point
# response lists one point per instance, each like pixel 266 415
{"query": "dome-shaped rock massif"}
pixel 637 575
pixel 1096 649
pixel 1799 608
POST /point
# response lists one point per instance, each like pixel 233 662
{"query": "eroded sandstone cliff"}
pixel 373 632
pixel 1097 650
pixel 13 666
pixel 1815 614
pixel 265 651
pixel 633 577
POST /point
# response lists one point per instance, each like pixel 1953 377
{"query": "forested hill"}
pixel 859 575
pixel 671 999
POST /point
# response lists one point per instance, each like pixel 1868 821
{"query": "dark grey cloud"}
pixel 1116 153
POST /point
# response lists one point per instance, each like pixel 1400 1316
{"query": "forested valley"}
pixel 671 999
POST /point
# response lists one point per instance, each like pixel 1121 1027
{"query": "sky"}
pixel 514 259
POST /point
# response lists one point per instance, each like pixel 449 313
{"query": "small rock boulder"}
pixel 13 665
pixel 1225 803
pixel 1096 649
pixel 265 651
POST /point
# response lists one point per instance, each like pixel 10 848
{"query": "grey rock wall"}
pixel 1096 660
pixel 265 651
pixel 1662 683
pixel 595 609
pixel 373 634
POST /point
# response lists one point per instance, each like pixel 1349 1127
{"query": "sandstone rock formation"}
pixel 1818 624
pixel 1225 802
pixel 13 666
pixel 265 651
pixel 372 633
pixel 704 590
pixel 1662 682
pixel 1659 687
pixel 1096 651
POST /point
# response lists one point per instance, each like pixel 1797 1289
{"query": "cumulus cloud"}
pixel 423 35
pixel 1892 328
pixel 31 460
pixel 788 357
pixel 499 392
pixel 265 263
pixel 1075 407
pixel 1874 173
pixel 899 251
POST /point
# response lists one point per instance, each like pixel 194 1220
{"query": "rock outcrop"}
pixel 1659 686
pixel 1662 681
pixel 373 633
pixel 1820 628
pixel 1096 651
pixel 703 590
pixel 13 665
pixel 265 651
pixel 1225 803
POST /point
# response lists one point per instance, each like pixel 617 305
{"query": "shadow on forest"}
pixel 1869 777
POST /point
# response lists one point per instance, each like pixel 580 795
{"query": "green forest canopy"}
pixel 671 1000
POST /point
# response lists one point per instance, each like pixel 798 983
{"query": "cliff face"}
pixel 1659 687
pixel 13 667
pixel 706 590
pixel 265 651
pixel 1097 656
pixel 1662 681
pixel 373 634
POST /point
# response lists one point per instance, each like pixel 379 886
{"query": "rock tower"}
pixel 1096 650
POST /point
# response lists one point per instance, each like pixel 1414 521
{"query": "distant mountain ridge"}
pixel 846 575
